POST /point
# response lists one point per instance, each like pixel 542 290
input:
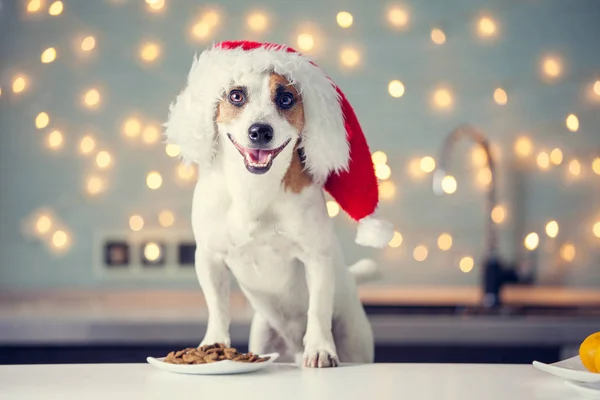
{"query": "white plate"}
pixel 571 369
pixel 224 367
pixel 587 390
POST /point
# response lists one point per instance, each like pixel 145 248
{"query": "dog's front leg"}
pixel 214 280
pixel 319 347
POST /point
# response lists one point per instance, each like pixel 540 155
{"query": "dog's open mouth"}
pixel 258 161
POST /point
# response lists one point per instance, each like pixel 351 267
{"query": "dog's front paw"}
pixel 213 339
pixel 320 358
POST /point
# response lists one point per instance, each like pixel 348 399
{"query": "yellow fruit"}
pixel 589 352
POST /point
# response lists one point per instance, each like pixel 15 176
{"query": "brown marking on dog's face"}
pixel 295 115
pixel 296 178
pixel 226 110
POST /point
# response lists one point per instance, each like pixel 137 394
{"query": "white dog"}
pixel 269 130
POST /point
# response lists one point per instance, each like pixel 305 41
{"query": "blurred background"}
pixel 497 245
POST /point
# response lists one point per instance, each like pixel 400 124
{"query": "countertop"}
pixel 284 381
pixel 155 316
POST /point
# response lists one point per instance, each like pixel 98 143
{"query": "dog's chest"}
pixel 266 262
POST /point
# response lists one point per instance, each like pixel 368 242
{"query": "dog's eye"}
pixel 285 101
pixel 237 97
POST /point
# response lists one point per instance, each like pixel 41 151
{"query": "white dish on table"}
pixel 587 390
pixel 225 367
pixel 571 369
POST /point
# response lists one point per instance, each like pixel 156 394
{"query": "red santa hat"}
pixel 336 152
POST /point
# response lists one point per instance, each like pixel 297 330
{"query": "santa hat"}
pixel 336 151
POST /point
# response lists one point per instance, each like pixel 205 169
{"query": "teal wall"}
pixel 32 176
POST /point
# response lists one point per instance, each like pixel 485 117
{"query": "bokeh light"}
pixel 379 157
pixel 55 140
pixel 136 223
pixel 42 120
pixel 91 98
pixel 523 146
pixel 568 252
pixel 344 19
pixel 397 17
pixel 48 55
pixel 498 214
pixel 94 185
pixel 543 160
pixel 387 190
pixel 103 159
pixel 43 224
pixel 88 43
pixel 396 88
pixel 151 134
pixel 333 208
pixel 257 21
pixel 427 164
pixel 445 241
pixel 532 241
pixel 172 150
pixel 87 145
pixel 551 67
pixel 396 240
pixel 438 36
pixel 19 84
pixel 383 171
pixel 442 98
pixel 575 167
pixel 556 156
pixel 572 122
pixel 149 52
pixel 34 6
pixel 552 229
pixel 305 41
pixel 486 27
pixel 500 96
pixel 166 218
pixel 596 229
pixel 155 5
pixel 420 253
pixel 186 172
pixel 596 165
pixel 466 264
pixel 56 8
pixel 154 180
pixel 60 240
pixel 449 184
pixel 132 127
pixel 349 57
pixel 152 251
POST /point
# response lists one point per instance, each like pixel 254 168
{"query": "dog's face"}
pixel 261 116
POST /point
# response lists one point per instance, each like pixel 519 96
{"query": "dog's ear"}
pixel 324 137
pixel 191 122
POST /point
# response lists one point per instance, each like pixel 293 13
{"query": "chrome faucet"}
pixel 495 273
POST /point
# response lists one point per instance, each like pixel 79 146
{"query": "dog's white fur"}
pixel 279 245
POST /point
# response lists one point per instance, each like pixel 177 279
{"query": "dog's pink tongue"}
pixel 259 156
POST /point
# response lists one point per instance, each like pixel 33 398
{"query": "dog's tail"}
pixel 364 270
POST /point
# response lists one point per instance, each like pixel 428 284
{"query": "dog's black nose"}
pixel 260 133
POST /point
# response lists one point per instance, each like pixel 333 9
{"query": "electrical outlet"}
pixel 149 254
pixel 116 254
pixel 186 254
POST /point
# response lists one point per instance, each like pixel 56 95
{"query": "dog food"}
pixel 211 353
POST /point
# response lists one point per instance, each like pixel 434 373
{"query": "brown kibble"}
pixel 209 354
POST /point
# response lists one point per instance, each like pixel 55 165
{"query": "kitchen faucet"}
pixel 495 273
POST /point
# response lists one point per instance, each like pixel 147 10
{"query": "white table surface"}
pixel 284 381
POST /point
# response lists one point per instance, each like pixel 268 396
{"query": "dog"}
pixel 260 215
